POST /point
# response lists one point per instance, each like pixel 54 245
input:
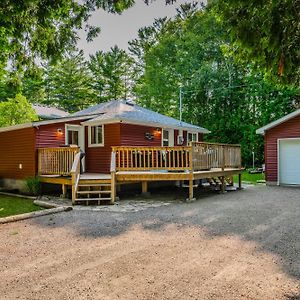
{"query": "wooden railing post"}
pixel 113 176
pixel 191 166
pixel 223 157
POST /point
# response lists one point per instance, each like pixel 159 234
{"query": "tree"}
pixel 16 111
pixel 112 74
pixel 68 84
pixel 31 30
pixel 264 32
pixel 229 98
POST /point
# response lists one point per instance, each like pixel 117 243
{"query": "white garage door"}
pixel 289 161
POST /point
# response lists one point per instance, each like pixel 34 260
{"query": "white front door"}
pixel 289 161
pixel 168 137
pixel 75 136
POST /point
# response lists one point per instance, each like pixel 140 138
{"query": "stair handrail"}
pixel 75 173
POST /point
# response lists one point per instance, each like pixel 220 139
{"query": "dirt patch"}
pixel 174 262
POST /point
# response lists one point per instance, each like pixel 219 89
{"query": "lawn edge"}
pixel 18 195
pixel 35 214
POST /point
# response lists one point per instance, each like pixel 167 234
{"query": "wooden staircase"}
pixel 92 187
pixel 216 183
pixel 93 190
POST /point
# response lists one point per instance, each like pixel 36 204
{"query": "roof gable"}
pixel 275 123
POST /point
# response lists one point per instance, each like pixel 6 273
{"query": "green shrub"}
pixel 33 185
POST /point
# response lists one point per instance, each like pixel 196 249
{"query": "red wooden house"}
pixel 117 136
pixel 282 150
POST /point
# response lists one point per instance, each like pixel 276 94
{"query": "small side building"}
pixel 282 150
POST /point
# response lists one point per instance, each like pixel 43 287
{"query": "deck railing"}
pixel 152 158
pixel 198 156
pixel 213 155
pixel 56 161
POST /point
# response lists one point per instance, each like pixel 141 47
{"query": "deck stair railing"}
pixel 56 161
pixel 196 157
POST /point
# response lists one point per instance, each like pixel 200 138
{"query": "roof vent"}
pixel 130 102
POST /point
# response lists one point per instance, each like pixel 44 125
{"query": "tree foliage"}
pixel 112 74
pixel 68 84
pixel 264 32
pixel 231 99
pixel 39 29
pixel 16 111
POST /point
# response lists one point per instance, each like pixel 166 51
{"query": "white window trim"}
pixel 90 136
pixel 80 130
pixel 191 132
pixel 171 137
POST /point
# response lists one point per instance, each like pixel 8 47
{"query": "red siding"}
pixel 288 129
pixel 17 147
pixel 98 158
pixel 134 135
pixel 119 134
pixel 47 135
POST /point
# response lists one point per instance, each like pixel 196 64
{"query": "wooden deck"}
pixel 141 164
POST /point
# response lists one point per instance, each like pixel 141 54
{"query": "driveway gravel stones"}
pixel 239 245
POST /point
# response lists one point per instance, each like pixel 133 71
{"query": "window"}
pixel 73 137
pixel 165 138
pixel 96 137
pixel 192 137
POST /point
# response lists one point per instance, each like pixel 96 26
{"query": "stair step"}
pixel 92 199
pixel 93 192
pixel 93 184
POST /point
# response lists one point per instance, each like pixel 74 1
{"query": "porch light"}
pixel 157 132
pixel 59 132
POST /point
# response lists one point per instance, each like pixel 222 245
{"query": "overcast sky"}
pixel 119 29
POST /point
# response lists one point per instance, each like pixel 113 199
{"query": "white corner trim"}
pixel 90 136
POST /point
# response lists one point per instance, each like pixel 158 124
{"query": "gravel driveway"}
pixel 240 245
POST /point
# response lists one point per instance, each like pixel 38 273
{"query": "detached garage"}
pixel 282 150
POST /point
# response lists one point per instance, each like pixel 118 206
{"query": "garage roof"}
pixel 292 115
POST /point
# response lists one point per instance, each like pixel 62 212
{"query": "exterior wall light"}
pixel 59 132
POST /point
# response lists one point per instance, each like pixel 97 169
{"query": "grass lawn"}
pixel 250 178
pixel 10 206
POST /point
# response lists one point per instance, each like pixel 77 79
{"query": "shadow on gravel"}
pixel 268 216
pixel 292 297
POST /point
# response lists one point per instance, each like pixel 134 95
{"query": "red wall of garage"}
pixel 288 129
